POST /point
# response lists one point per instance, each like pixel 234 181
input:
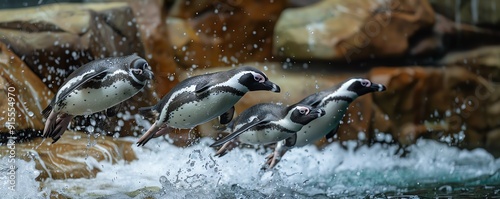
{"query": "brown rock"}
pixel 67 158
pixel 23 96
pixel 483 13
pixel 223 32
pixel 327 30
pixel 448 35
pixel 483 60
pixel 151 16
pixel 56 39
pixel 439 103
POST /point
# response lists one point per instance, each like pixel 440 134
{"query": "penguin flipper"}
pixel 314 99
pixel 226 117
pixel 332 133
pixel 241 130
pixel 202 87
pixel 111 112
pixel 99 74
pixel 46 111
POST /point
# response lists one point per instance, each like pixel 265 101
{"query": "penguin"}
pixel 267 123
pixel 201 98
pixel 334 101
pixel 100 85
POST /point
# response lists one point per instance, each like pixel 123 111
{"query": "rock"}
pixel 56 39
pixel 73 156
pixel 483 60
pixel 449 36
pixel 23 97
pixel 350 30
pixel 449 104
pixel 482 13
pixel 223 32
pixel 151 16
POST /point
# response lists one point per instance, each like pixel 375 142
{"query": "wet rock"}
pixel 213 33
pixel 56 39
pixel 22 94
pixel 73 156
pixel 483 13
pixel 350 30
pixel 449 104
pixel 448 35
pixel 484 61
pixel 151 16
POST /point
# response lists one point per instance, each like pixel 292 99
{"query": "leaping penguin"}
pixel 335 102
pixel 96 86
pixel 202 98
pixel 267 123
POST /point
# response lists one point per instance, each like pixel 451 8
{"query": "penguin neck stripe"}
pixel 339 98
pixel 274 126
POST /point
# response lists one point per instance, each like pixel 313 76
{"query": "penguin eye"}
pixel 259 78
pixel 366 83
pixel 136 71
pixel 303 110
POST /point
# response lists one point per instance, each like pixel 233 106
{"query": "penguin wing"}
pixel 203 86
pixel 312 100
pixel 244 128
pixel 226 117
pixel 100 72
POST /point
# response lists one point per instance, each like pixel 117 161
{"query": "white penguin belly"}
pixel 192 114
pixel 267 136
pixel 321 126
pixel 88 101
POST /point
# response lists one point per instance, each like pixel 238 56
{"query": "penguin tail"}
pixel 46 111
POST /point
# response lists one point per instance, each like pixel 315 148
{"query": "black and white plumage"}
pixel 199 99
pixel 267 123
pixel 335 102
pixel 96 86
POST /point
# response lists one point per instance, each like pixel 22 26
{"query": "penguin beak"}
pixel 149 74
pixel 273 87
pixel 378 87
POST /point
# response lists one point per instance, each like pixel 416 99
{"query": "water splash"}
pixel 304 172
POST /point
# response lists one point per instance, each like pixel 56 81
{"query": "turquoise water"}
pixel 432 169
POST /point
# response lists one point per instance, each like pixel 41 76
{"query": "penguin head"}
pixel 255 80
pixel 140 70
pixel 303 114
pixel 362 86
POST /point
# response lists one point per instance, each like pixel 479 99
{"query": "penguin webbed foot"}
pixel 274 158
pixel 56 126
pixel 153 132
pixel 228 146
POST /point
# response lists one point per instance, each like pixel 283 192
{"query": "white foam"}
pixel 194 173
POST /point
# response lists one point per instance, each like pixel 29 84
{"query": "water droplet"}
pixel 89 129
pixel 163 179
